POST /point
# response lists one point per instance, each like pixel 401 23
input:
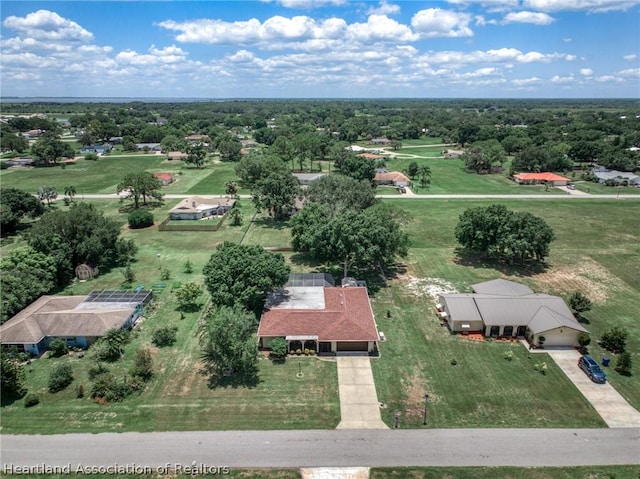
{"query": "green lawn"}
pixel 582 472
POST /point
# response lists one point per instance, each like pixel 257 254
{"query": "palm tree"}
pixel 70 191
pixel 424 173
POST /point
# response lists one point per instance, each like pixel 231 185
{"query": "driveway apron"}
pixel 359 406
pixel 611 406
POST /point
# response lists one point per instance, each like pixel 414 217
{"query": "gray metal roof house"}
pixel 501 308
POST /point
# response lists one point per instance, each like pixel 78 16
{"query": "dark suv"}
pixel 591 368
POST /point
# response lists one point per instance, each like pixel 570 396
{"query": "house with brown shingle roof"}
pixel 165 178
pixel 394 178
pixel 320 316
pixel 78 320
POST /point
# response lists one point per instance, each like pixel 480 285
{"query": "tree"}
pixel 412 170
pixel 584 340
pixel 142 364
pixel 283 148
pixel 79 235
pixel 15 204
pixel 357 167
pixel 623 363
pixel 25 275
pixel 58 347
pixel 110 346
pixel 48 149
pixel 60 377
pixel 365 239
pixel 48 194
pixel 188 267
pixel 140 219
pixel 497 232
pixel 236 216
pixel 241 274
pixel 279 348
pixel 129 274
pixel 11 376
pixel 276 192
pixel 196 154
pixel 424 174
pixel 615 339
pixel 338 193
pixel 230 149
pixel 579 302
pixel 140 185
pixel 231 189
pixel 164 336
pixel 229 344
pixel 187 296
pixel 70 192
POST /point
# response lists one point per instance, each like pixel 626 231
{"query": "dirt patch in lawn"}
pixel 428 287
pixel 415 390
pixel 587 276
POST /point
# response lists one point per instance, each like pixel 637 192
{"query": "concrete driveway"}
pixel 359 406
pixel 611 406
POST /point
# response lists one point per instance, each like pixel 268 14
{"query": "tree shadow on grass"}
pixel 465 257
pixel 271 223
pixel 245 379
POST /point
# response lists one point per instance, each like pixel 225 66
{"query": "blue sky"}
pixel 321 49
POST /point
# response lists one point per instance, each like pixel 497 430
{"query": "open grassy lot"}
pixel 596 252
pixel 103 175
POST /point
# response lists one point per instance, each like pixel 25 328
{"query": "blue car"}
pixel 591 369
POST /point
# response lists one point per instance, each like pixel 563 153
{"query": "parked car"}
pixel 591 369
pixel 571 186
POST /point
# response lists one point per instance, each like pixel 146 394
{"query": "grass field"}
pixel 596 251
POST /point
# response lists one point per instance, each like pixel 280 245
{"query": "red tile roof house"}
pixel 537 178
pixel 319 316
pixel 165 178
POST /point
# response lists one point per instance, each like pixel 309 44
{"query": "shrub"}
pixel 97 370
pixel 61 376
pixel 614 340
pixel 140 219
pixel 278 348
pixel 31 400
pixel 91 157
pixel 454 362
pixel 58 347
pixel 623 364
pixel 164 336
pixel 188 267
pixel 79 391
pixel 584 340
pixel 165 274
pixel 106 388
pixel 143 365
pixel 509 355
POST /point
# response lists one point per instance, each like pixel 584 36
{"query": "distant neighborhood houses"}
pixel 394 178
pixel 501 308
pixel 78 320
pixel 176 155
pixel 149 147
pixel 539 178
pixel 165 178
pixel 97 149
pixel 197 208
pixel 617 177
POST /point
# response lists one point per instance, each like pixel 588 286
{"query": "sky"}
pixel 321 49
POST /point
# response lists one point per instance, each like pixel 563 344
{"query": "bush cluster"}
pixel 140 219
pixel 164 336
pixel 31 400
pixel 61 376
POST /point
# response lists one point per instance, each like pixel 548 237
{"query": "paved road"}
pixel 331 448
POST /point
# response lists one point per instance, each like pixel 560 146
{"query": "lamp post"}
pixel 396 419
pixel 159 265
pixel 426 401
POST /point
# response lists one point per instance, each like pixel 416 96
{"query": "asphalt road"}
pixel 330 448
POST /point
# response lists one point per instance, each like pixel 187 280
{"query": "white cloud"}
pixel 435 22
pixel 594 6
pixel 609 79
pixel 384 9
pixel 536 18
pixel 587 72
pixel 502 55
pixel 630 72
pixel 47 25
pixel 557 79
pixel 164 56
pixel 380 27
pixel 490 5
pixel 525 82
pixel 630 57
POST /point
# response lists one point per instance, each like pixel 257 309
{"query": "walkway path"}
pixel 359 406
pixel 608 402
